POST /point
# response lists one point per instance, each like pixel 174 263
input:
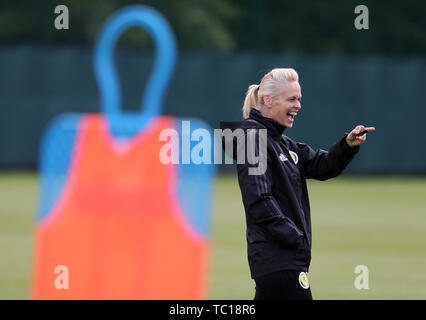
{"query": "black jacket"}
pixel 276 202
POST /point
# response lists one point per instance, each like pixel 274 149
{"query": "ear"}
pixel 267 100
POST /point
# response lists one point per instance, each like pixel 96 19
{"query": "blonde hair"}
pixel 269 85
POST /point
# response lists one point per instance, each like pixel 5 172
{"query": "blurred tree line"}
pixel 315 26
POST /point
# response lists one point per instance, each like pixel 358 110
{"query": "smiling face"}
pixel 283 108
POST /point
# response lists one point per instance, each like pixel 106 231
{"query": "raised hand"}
pixel 354 138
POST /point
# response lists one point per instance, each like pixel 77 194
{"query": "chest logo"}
pixel 303 280
pixel 294 156
pixel 283 157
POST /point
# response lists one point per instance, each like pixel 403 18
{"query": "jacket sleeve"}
pixel 323 165
pixel 262 208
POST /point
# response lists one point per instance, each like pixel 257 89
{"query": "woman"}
pixel 276 199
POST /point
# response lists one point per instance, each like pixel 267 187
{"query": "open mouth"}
pixel 291 115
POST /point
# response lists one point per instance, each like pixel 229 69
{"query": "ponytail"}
pixel 250 100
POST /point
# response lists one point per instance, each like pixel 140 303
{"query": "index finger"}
pixel 365 130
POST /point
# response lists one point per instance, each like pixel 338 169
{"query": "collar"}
pixel 274 128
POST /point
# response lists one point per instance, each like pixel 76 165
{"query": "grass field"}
pixel 372 221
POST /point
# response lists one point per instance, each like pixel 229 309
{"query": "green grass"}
pixel 377 222
pixel 18 201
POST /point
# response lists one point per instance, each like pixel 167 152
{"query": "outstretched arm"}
pixel 323 165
